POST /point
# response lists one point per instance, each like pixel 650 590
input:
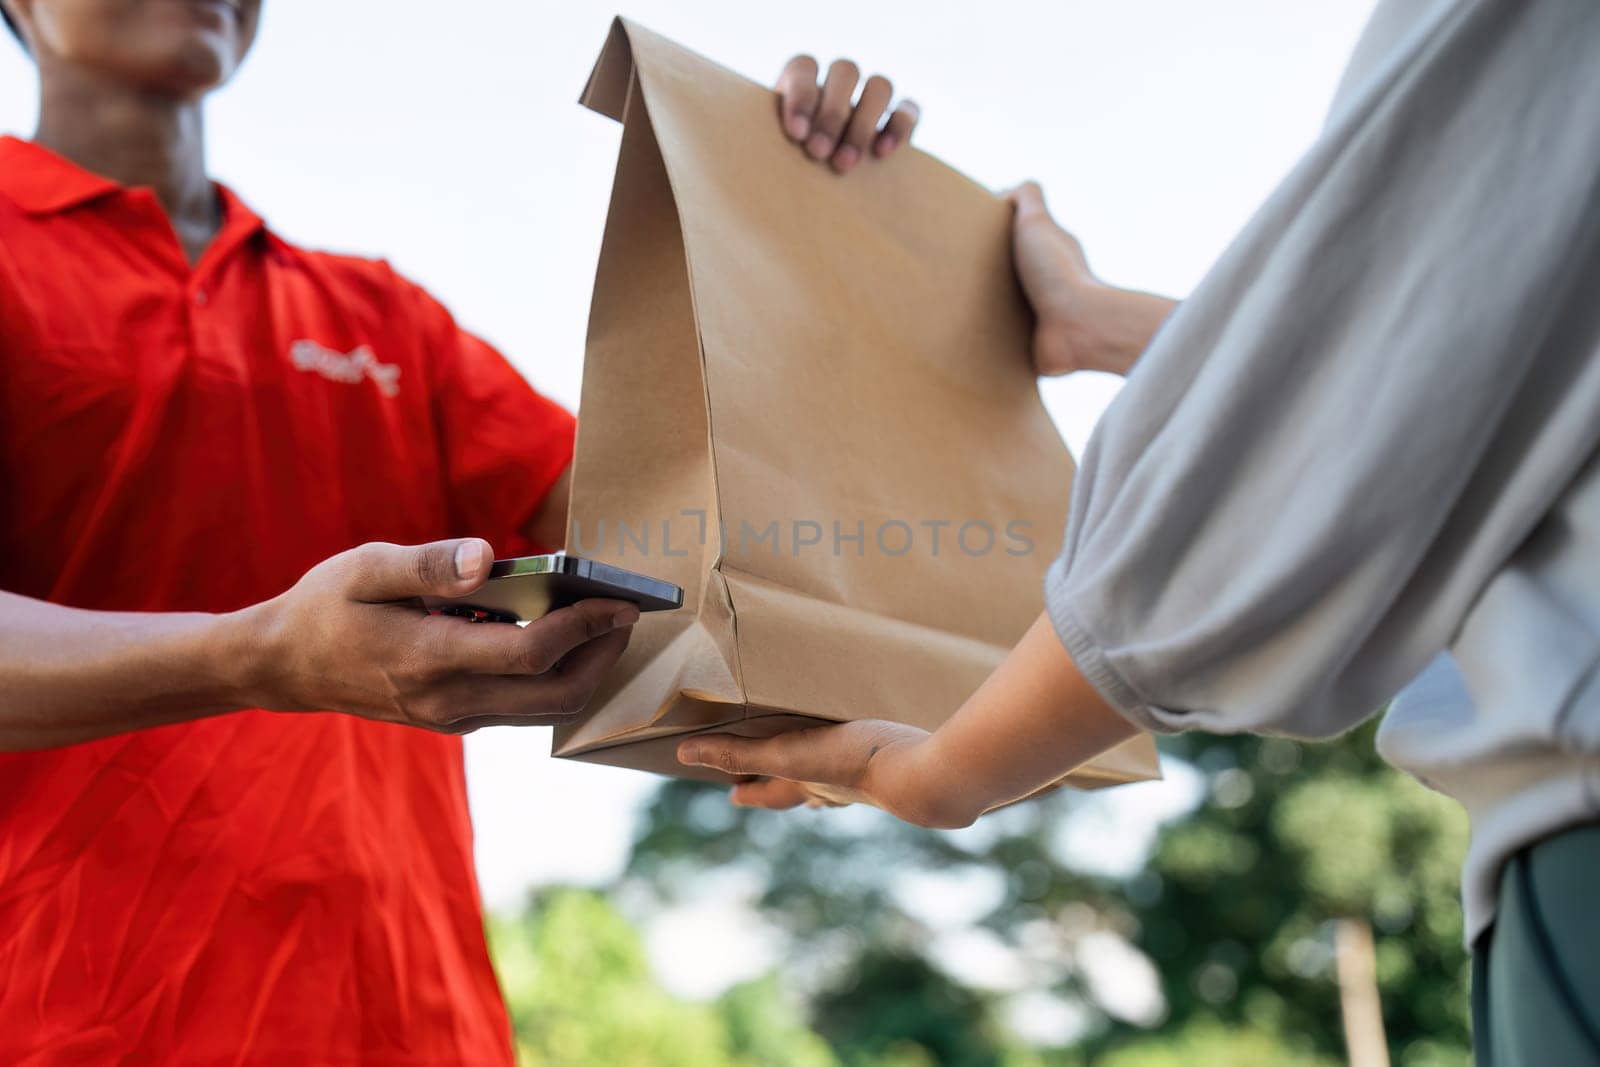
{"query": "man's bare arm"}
pixel 347 637
pixel 65 672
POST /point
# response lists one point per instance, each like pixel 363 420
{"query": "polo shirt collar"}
pixel 44 183
pixel 239 224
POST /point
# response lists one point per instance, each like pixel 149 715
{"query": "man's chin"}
pixel 190 68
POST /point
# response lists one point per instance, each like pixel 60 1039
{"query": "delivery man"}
pixel 214 446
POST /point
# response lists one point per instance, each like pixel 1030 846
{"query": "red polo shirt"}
pixel 256 887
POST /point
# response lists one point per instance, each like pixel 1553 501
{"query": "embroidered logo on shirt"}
pixel 353 368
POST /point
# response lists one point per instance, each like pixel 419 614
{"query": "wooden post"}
pixel 1357 967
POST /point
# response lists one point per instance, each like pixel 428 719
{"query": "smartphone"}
pixel 526 588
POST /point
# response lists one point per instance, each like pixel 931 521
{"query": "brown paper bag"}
pixel 807 400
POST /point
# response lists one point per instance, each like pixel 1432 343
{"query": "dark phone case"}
pixel 532 586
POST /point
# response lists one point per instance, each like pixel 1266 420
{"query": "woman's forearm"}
pixel 1033 721
pixel 69 675
pixel 1124 322
pixel 1083 323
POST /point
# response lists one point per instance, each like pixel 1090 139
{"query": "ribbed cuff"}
pixel 1091 662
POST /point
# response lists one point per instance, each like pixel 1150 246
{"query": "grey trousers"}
pixel 1536 971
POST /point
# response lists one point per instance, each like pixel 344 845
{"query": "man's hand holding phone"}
pixel 348 637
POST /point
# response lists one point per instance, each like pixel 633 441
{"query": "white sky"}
pixel 447 138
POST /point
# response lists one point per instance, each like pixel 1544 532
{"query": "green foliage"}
pixel 1211 1043
pixel 895 1008
pixel 579 988
pixel 1236 905
pixel 576 980
pixel 767 1028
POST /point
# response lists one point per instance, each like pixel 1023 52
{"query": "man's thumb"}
pixel 400 572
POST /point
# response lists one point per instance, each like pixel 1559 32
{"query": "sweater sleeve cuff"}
pixel 1091 661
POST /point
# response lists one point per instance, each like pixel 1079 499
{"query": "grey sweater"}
pixel 1366 444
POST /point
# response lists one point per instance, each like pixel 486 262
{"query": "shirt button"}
pixel 200 298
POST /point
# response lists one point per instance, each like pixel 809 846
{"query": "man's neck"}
pixel 135 140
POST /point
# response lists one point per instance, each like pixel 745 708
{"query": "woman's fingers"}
pixel 1028 199
pixel 863 125
pixel 833 111
pixel 814 755
pixel 868 761
pixel 831 123
pixel 897 131
pixel 797 97
pixel 776 793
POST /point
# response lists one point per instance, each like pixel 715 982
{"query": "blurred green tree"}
pixel 1211 1043
pixel 580 991
pixel 767 1027
pixel 1237 902
pixel 896 1007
